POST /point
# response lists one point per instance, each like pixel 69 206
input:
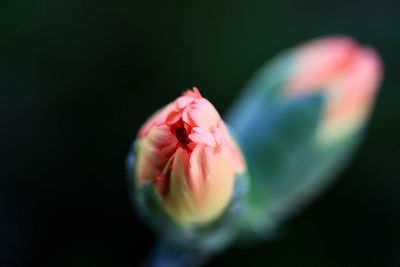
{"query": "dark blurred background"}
pixel 78 78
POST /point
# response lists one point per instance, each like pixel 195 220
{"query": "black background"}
pixel 78 78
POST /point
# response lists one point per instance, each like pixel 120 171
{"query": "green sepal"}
pixel 211 237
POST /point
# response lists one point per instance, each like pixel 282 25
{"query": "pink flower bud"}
pixel 186 152
pixel 349 75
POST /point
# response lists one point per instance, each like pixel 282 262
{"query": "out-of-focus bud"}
pixel 307 109
pixel 346 72
pixel 187 154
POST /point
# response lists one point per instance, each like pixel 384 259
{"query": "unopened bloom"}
pixel 186 152
pixel 349 75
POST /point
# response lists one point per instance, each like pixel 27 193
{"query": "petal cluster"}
pixel 348 73
pixel 185 150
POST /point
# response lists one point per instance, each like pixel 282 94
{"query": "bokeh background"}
pixel 78 78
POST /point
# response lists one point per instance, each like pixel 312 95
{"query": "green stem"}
pixel 163 255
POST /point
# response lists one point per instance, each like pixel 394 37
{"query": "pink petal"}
pixel 203 114
pixel 202 136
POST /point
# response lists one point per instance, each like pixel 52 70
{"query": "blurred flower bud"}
pixel 187 154
pixel 308 106
pixel 346 72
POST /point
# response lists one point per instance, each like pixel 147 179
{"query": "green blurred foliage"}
pixel 78 78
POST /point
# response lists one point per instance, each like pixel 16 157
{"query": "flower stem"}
pixel 163 255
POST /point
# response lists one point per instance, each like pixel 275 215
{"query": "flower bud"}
pixel 185 151
pixel 347 73
pixel 307 108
